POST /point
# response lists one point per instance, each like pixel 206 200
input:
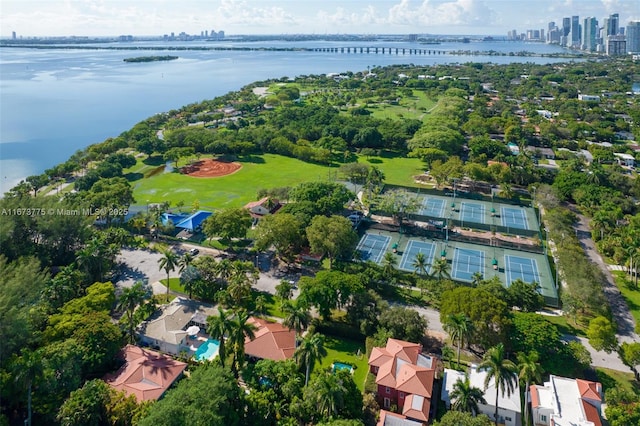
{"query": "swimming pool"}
pixel 337 366
pixel 208 350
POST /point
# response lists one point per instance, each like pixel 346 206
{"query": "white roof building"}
pixel 566 402
pixel 509 411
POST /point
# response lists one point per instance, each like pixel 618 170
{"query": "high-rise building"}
pixel 589 34
pixel 13 35
pixel 633 37
pixel 615 24
pixel 566 26
pixel 616 45
pixel 575 35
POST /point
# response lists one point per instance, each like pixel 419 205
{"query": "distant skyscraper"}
pixel 615 24
pixel 589 34
pixel 13 35
pixel 575 32
pixel 566 26
pixel 633 37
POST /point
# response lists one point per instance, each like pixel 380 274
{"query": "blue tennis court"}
pixel 372 247
pixel 514 218
pixel 472 212
pixel 467 262
pixel 521 267
pixel 432 207
pixel 413 248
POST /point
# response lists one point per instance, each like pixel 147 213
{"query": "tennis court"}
pixel 433 207
pixel 472 212
pixel 467 262
pixel 521 267
pixel 514 218
pixel 372 247
pixel 413 248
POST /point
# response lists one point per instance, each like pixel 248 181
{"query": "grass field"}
pixel 234 190
pixel 631 295
pixel 343 350
pixel 416 106
pixel 265 171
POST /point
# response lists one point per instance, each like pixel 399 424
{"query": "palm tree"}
pixel 298 317
pixel 476 278
pixel 168 262
pixel 440 268
pixel 310 350
pixel 420 264
pixel 240 329
pixel 218 327
pixel 26 370
pixel 389 262
pixel 502 371
pixel 130 298
pixel 459 327
pixel 447 354
pixel 329 392
pixel 530 371
pixel 239 290
pixel 465 397
pixel 185 260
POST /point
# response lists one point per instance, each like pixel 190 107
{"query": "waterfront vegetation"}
pixel 299 143
pixel 150 58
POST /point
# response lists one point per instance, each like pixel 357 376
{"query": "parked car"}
pixel 194 251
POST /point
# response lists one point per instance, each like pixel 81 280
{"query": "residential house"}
pixel 387 418
pixel 541 152
pixel 262 207
pixel 145 374
pixel 627 160
pixel 509 411
pixel 166 330
pixel 588 98
pixel 566 402
pixel 272 341
pixel 404 377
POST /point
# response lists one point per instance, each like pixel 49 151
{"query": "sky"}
pixel 157 17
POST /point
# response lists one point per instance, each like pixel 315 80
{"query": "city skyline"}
pixel 38 18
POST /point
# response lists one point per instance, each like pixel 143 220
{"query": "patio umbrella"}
pixel 193 330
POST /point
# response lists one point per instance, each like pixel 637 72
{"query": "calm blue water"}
pixel 337 366
pixel 208 350
pixel 55 102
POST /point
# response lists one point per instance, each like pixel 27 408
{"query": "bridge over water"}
pixel 381 50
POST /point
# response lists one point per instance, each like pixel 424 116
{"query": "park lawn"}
pixel 397 170
pixel 631 296
pixel 617 379
pixel 566 326
pixel 174 284
pixel 343 350
pixel 235 190
pixel 416 106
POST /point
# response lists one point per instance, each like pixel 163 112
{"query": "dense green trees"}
pixel 228 224
pixel 209 396
pixel 489 315
pixel 332 237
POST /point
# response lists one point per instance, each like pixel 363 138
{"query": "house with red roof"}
pixel 404 376
pixel 145 374
pixel 263 207
pixel 272 341
pixel 566 402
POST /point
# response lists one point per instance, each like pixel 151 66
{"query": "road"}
pixel 619 307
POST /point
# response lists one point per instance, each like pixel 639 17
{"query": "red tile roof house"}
pixel 405 378
pixel 566 402
pixel 145 374
pixel 263 207
pixel 272 341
